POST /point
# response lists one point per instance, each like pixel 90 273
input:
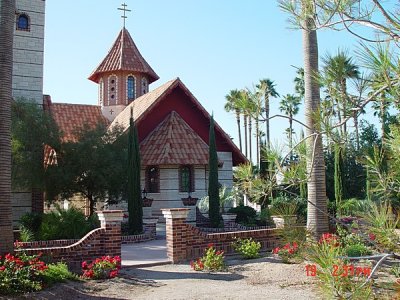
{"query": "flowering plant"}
pixel 287 252
pixel 329 239
pixel 21 273
pixel 248 248
pixel 102 268
pixel 212 260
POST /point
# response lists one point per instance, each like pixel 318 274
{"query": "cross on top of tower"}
pixel 124 9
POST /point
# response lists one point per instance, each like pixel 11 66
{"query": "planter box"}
pixel 189 201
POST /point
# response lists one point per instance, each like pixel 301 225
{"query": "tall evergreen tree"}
pixel 213 188
pixel 135 207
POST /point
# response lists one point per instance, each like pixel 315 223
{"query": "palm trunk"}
pixel 257 140
pixel 250 144
pixel 7 17
pixel 267 121
pixel 344 101
pixel 317 219
pixel 355 118
pixel 245 135
pixel 239 129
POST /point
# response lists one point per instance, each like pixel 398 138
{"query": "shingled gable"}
pixel 173 142
pixel 124 56
pixel 144 105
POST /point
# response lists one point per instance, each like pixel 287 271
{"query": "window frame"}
pixel 28 22
pixel 191 187
pixel 152 187
pixel 132 90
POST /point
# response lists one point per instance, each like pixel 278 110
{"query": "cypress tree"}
pixel 213 186
pixel 338 176
pixel 135 207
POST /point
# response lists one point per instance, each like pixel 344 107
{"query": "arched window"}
pixel 186 179
pixel 145 86
pixel 130 85
pixel 153 179
pixel 23 22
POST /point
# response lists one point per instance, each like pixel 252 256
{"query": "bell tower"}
pixel 123 75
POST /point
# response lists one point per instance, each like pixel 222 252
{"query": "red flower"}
pixel 2 268
pixel 372 236
pixel 84 265
pixel 210 245
pixel 113 274
pixel 295 245
pixel 276 250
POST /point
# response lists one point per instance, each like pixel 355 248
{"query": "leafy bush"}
pixel 20 273
pixel 212 260
pixel 55 225
pixel 31 221
pixel 102 268
pixel 25 235
pixel 247 248
pixel 284 205
pixel 57 273
pixel 357 250
pixel 244 214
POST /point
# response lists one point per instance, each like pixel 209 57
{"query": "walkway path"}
pixel 147 253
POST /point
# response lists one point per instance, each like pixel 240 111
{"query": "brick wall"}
pixel 99 242
pixel 186 242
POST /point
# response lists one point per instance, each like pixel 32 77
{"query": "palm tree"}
pixel 267 88
pixel 317 218
pixel 232 104
pixel 248 107
pixel 337 70
pixel 361 85
pixel 7 15
pixel 289 105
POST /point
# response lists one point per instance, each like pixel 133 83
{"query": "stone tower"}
pixel 29 49
pixel 122 76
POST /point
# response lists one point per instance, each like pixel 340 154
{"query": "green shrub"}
pixel 265 217
pixel 290 206
pixel 26 235
pixel 20 273
pixel 244 214
pixel 212 260
pixel 357 250
pixel 64 224
pixel 57 273
pixel 31 221
pixel 247 248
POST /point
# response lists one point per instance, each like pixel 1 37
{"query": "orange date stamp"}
pixel 342 271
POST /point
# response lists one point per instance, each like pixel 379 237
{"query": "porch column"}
pixel 176 230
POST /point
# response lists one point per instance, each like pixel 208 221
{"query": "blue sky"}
pixel 213 46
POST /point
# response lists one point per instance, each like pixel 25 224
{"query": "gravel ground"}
pixel 264 278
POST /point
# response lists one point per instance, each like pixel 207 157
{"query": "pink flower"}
pixel 2 268
pixel 84 265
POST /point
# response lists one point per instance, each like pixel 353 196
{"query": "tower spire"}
pixel 124 9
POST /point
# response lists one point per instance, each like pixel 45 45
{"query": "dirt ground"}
pixel 264 278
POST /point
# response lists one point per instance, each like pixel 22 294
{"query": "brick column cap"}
pixel 175 213
pixel 110 215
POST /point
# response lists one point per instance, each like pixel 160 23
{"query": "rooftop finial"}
pixel 124 9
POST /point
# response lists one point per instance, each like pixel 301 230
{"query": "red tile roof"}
pixel 173 142
pixel 71 118
pixel 124 56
